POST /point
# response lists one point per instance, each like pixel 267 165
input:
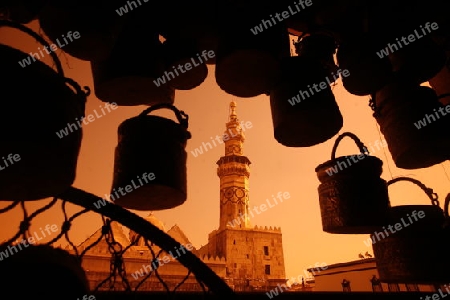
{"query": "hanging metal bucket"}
pixel 369 72
pixel 194 20
pixel 407 39
pixel 39 149
pixel 248 64
pixel 302 118
pixel 51 273
pixel 353 198
pixel 134 72
pixel 84 29
pixel 319 47
pixel 414 140
pixel 415 250
pixel 184 53
pixel 21 11
pixel 151 145
pixel 407 42
pixel 419 61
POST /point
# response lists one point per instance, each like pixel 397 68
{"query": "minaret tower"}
pixel 234 171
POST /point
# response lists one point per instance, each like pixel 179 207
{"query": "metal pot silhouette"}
pixel 320 47
pixel 416 133
pixel 307 117
pixel 410 254
pixel 406 32
pixel 196 21
pixel 184 53
pixel 150 158
pixel 49 273
pixel 369 72
pixel 96 22
pixel 419 61
pixel 40 124
pixel 353 198
pixel 248 63
pixel 133 74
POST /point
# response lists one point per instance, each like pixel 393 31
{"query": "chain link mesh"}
pixel 117 278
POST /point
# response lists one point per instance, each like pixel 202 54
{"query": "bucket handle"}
pixel 37 37
pixel 182 117
pixel 429 191
pixel 57 62
pixel 446 203
pixel 358 142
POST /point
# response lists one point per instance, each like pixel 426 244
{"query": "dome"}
pixel 152 219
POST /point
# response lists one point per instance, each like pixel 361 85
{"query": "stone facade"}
pixel 254 257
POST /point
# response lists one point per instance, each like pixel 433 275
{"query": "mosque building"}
pixel 247 257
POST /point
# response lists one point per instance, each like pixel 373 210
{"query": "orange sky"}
pixel 274 168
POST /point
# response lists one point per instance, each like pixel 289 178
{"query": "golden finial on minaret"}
pixel 234 135
pixel 233 115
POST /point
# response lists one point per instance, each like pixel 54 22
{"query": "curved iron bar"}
pixel 149 231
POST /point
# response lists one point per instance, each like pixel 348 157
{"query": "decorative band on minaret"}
pixel 234 172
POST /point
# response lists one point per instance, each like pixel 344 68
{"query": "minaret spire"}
pixel 233 115
pixel 233 136
pixel 234 172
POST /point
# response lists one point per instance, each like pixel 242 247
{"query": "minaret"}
pixel 234 171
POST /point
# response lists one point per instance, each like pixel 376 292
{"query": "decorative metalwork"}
pixel 118 278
